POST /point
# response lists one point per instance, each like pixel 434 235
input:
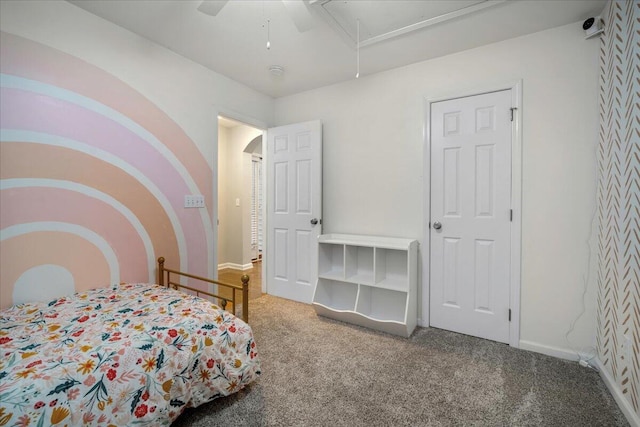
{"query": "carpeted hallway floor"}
pixel 318 372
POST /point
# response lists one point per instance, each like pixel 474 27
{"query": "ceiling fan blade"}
pixel 300 14
pixel 212 7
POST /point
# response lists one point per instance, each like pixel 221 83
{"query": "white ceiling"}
pixel 233 42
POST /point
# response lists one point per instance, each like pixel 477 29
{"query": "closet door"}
pixel 470 215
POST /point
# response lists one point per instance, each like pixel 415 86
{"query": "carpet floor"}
pixel 319 372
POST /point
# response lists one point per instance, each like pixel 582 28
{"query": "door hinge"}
pixel 512 109
pixel 511 215
pixel 509 315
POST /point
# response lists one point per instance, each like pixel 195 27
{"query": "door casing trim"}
pixel 515 274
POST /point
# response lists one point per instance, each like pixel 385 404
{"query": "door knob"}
pixel 314 221
pixel 437 225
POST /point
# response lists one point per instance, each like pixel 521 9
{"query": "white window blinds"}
pixel 256 203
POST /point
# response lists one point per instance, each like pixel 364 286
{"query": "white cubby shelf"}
pixel 369 281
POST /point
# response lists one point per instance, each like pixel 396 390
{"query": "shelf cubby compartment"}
pixel 336 295
pixel 359 264
pixel 392 269
pixel 369 281
pixel 331 262
pixel 382 304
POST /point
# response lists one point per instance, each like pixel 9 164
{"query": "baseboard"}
pixel 561 353
pixel 623 403
pixel 235 266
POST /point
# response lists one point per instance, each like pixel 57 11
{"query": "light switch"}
pixel 237 202
pixel 194 201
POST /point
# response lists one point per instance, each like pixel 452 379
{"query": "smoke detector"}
pixel 276 70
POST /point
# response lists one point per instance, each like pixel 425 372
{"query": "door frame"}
pixel 515 275
pixel 258 124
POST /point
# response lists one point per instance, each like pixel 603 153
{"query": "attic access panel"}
pixel 384 19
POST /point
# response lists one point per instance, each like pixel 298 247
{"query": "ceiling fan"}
pixel 297 9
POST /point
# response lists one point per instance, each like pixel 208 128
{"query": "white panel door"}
pixel 470 215
pixel 294 208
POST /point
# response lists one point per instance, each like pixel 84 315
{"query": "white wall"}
pixel 373 161
pixel 373 137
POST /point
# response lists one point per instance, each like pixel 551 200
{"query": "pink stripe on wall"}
pixel 22 160
pixel 33 112
pixel 35 204
pixel 26 58
pixel 21 253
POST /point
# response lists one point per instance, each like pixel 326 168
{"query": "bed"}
pixel 131 354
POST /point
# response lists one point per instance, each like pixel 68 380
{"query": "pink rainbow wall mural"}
pixel 92 179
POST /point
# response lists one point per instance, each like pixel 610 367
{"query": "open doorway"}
pixel 240 196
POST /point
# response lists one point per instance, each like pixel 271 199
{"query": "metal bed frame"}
pixel 244 288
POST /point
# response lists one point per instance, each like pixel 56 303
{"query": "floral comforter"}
pixel 134 354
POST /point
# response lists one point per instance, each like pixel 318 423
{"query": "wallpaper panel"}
pixel 92 179
pixel 619 198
